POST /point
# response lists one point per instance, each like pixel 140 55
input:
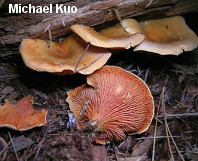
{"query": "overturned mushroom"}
pixel 97 39
pixel 163 36
pixel 63 57
pixel 114 102
pixel 21 116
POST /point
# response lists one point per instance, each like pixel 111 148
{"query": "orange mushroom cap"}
pixel 163 36
pixel 115 31
pixel 100 40
pixel 114 101
pixel 62 57
pixel 21 116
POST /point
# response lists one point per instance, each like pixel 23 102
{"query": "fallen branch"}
pixel 91 13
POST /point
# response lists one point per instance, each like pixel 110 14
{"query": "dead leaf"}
pixel 142 148
pixel 5 91
pixel 138 158
pixel 22 142
pixel 99 153
pixel 3 149
pixel 193 155
pixel 192 90
pixel 182 77
pixel 21 116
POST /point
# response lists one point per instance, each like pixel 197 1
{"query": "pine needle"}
pixel 175 144
pixel 166 124
pixel 155 133
pixel 13 146
pixel 75 70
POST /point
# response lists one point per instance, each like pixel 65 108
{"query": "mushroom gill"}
pixel 114 102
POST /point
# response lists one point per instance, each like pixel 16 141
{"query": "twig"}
pixel 146 75
pixel 13 146
pixel 90 63
pixel 40 144
pixel 20 88
pixel 117 13
pixel 115 150
pixel 180 71
pixel 149 3
pixel 63 22
pixel 3 150
pixel 175 144
pixel 127 146
pixel 196 69
pixel 11 76
pixel 128 68
pixel 2 42
pixel 181 115
pixel 139 71
pixel 166 124
pixel 75 69
pixel 155 133
pixel 49 31
pixel 157 137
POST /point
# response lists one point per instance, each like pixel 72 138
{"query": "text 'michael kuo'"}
pixel 59 8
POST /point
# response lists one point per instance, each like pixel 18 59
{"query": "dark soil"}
pixel 177 75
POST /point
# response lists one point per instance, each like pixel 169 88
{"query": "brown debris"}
pixel 3 149
pixel 67 146
pixel 142 148
pixel 22 142
pixel 99 153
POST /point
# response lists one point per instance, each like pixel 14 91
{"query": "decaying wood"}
pixel 15 27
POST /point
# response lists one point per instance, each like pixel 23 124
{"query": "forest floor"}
pixel 173 77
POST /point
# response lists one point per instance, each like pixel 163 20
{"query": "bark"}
pixel 15 27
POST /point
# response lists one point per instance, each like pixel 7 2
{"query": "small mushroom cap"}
pixel 97 39
pixel 114 101
pixel 21 116
pixel 115 31
pixel 132 26
pixel 62 57
pixel 164 36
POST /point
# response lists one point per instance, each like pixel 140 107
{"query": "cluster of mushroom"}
pixel 85 50
pixel 67 56
pixel 115 102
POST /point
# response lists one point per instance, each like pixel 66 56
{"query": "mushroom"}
pixel 21 116
pixel 97 39
pixel 115 31
pixel 63 57
pixel 163 36
pixel 114 102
